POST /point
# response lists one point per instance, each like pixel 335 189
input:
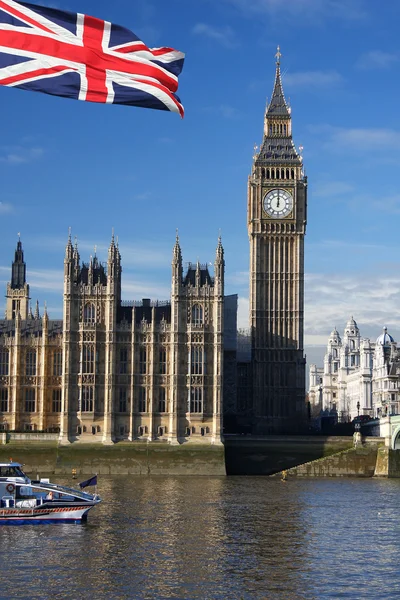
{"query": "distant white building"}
pixel 359 377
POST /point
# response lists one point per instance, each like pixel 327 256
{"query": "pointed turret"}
pixel 219 267
pixel 37 314
pixel 177 269
pixel 17 289
pixel 68 247
pixel 18 275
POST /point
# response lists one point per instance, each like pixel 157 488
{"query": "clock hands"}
pixel 277 204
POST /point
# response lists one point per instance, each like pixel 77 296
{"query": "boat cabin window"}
pixel 6 471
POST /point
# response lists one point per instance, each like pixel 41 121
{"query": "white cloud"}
pixel 5 208
pixel 377 59
pixel 312 79
pixel 17 155
pixel 361 140
pixel 224 36
pixel 373 298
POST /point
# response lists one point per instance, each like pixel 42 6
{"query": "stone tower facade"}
pixel 17 289
pixel 276 221
pixel 113 370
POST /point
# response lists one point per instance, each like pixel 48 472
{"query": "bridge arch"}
pixel 395 440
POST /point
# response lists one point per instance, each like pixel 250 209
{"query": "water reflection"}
pixel 236 538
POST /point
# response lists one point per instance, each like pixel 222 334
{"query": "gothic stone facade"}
pixel 114 370
pixel 276 221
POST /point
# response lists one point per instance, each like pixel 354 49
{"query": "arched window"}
pixel 272 173
pixel 30 363
pixel 89 313
pixel 287 174
pixel 79 430
pixel 292 173
pixel 196 400
pixel 197 314
pixel 88 359
pixel 162 404
pixel 268 174
pixel 4 361
pixel 162 357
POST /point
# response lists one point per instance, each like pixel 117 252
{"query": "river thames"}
pixel 215 538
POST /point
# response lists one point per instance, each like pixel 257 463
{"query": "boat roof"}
pixel 10 464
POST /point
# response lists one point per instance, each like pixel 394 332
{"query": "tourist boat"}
pixel 24 501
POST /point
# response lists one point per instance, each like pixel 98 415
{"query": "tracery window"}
pixel 4 361
pixel 3 400
pixel 89 313
pixel 30 363
pixel 88 359
pixel 87 394
pixel 123 361
pixel 143 360
pixel 163 361
pixel 196 400
pixel 122 400
pixel 197 314
pixel 142 399
pixel 57 364
pixel 197 357
pixel 162 404
pixel 30 400
pixel 56 401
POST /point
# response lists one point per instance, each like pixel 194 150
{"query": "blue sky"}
pixel 92 167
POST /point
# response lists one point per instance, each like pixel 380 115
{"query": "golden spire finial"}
pixel 278 55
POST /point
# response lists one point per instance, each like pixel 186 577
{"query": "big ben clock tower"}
pixel 276 221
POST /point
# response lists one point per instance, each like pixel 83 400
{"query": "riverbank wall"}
pixel 120 459
pixel 300 456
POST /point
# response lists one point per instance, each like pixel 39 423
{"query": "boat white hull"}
pixel 23 516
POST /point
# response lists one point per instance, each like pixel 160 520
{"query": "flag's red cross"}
pixel 88 51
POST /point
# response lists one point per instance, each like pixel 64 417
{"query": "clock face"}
pixel 278 203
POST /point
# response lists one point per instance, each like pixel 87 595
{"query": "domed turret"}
pixel 385 339
pixel 351 327
pixel 334 338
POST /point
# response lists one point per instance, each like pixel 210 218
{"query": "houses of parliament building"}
pixel 114 370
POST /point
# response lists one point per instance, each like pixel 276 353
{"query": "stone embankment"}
pixel 367 459
pixel 121 459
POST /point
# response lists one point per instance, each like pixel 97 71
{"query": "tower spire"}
pixel 277 106
pixel 18 275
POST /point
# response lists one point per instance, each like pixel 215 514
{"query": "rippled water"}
pixel 230 538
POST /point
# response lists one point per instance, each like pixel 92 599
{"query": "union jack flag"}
pixel 81 57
